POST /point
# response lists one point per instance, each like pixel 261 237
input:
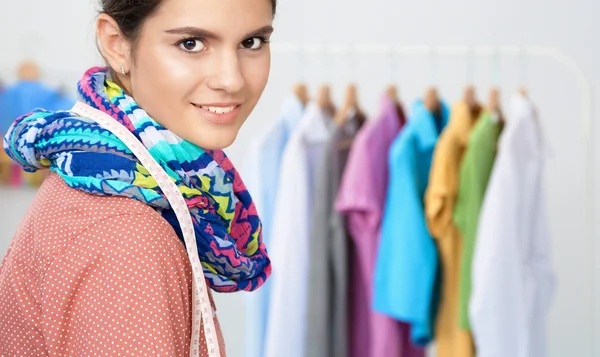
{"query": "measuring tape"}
pixel 201 308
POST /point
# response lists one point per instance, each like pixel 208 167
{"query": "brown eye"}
pixel 254 43
pixel 191 45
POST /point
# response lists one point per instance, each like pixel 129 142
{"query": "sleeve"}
pixel 356 195
pixel 320 277
pixel 497 308
pixel 120 288
pixel 513 281
pixel 539 253
pixel 441 190
pixel 289 256
pixel 543 274
pixel 406 265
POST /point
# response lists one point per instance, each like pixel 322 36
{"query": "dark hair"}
pixel 131 14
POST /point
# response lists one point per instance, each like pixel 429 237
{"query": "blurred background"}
pixel 550 47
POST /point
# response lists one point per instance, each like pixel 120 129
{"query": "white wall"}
pixel 60 33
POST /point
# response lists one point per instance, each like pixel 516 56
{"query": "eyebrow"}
pixel 201 33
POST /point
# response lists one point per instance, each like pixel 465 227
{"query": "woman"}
pixel 93 272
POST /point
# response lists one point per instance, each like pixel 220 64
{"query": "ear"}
pixel 115 48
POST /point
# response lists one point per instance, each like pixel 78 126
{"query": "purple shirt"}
pixel 362 199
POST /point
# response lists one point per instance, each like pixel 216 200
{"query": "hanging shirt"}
pixel 513 279
pixel 25 96
pixel 327 319
pixel 289 250
pixel 361 199
pixel 473 179
pixel 406 270
pixel 261 176
pixel 440 197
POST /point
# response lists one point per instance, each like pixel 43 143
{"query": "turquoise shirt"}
pixel 406 286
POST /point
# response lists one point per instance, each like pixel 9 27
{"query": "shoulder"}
pixel 60 215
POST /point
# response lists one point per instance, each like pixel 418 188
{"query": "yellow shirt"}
pixel 440 197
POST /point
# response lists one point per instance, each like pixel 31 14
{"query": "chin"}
pixel 215 142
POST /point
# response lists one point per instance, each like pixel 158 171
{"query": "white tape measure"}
pixel 201 308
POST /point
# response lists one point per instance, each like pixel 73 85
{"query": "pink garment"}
pixel 362 199
pixel 87 275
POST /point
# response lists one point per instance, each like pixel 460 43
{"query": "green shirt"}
pixel 475 172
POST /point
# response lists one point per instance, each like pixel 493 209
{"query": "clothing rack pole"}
pixel 493 52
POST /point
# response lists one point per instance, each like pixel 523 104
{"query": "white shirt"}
pixel 289 250
pixel 261 175
pixel 513 279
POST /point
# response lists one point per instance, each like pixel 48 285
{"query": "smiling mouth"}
pixel 216 109
pixel 223 114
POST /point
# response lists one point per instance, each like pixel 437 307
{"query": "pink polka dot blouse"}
pixel 95 276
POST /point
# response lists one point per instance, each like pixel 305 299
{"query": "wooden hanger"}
pixel 470 98
pixel 301 92
pixel 350 105
pixel 28 71
pixel 523 91
pixel 324 99
pixel 392 92
pixel 432 100
pixel 494 105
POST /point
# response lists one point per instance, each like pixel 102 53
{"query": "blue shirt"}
pixel 406 286
pixel 261 176
pixel 25 96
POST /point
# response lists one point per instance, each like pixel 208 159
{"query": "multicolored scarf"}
pixel 92 159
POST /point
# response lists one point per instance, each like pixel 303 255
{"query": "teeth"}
pixel 218 110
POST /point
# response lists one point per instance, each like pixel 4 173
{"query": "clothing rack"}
pixel 494 53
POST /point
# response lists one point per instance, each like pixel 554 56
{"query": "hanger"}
pixel 432 100
pixel 350 107
pixel 523 91
pixel 324 99
pixel 301 92
pixel 350 110
pixel 28 71
pixel 470 98
pixel 392 92
pixel 434 106
pixel 494 105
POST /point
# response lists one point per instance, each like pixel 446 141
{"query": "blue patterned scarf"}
pixel 91 159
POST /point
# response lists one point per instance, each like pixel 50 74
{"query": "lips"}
pixel 219 114
pixel 218 110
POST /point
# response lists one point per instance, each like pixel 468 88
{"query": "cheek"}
pixel 161 82
pixel 256 73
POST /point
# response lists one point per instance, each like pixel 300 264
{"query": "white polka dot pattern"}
pixel 201 310
pixel 88 275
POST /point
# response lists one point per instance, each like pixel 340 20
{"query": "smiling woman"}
pixel 198 67
pixel 99 266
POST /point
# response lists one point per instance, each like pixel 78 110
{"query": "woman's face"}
pixel 200 66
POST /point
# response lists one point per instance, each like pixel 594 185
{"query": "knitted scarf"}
pixel 92 159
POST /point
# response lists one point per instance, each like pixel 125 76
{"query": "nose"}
pixel 226 74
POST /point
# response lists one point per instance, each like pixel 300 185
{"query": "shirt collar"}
pixel 317 124
pixel 392 114
pixel 291 112
pixel 424 123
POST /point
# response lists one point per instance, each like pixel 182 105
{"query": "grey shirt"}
pixel 327 320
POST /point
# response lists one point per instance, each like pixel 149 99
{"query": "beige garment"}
pixel 440 197
pixel 87 275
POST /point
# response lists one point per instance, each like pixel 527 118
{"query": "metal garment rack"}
pixel 493 52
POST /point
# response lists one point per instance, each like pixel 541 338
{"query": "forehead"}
pixel 223 17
